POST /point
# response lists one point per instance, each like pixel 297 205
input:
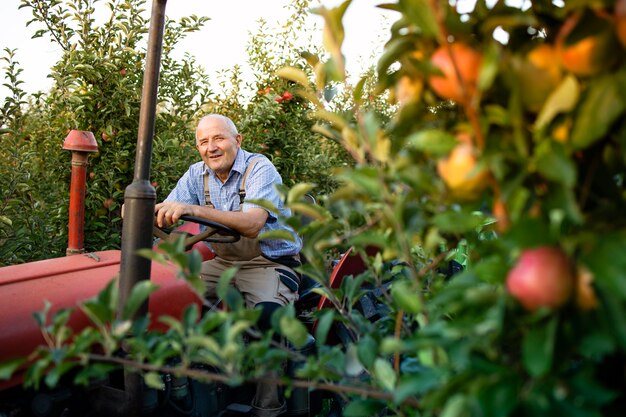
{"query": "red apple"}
pixel 542 277
pixel 108 203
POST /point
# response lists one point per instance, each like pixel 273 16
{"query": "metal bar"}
pixel 81 143
pixel 140 196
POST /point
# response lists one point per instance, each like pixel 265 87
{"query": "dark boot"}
pixel 268 401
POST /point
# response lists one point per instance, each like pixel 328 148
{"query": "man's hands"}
pixel 168 212
pixel 248 224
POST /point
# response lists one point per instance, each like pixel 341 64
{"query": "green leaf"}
pixel 8 367
pixel 194 263
pixel 312 211
pixel 563 200
pixel 499 397
pixel 138 296
pixel 365 179
pixel 434 141
pixel 562 99
pixel 298 191
pixel 357 94
pixel 596 344
pixel 224 282
pixel 205 342
pixel 53 377
pixel 606 261
pixel 310 58
pixel 394 49
pixel 497 115
pixel 361 408
pixel 369 238
pixel 528 232
pixel 41 316
pixel 420 13
pixel 384 374
pixel 92 372
pixel 98 312
pixel 555 165
pixel 457 221
pixel 489 67
pixel 293 330
pixel 602 105
pixel 405 296
pixel 353 366
pixel 276 234
pixel 456 406
pixel 294 74
pixel 423 381
pixel 266 204
pixel 333 36
pixel 323 327
pixel 538 347
pixel 154 380
pixel 366 349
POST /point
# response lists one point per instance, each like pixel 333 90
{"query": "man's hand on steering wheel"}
pixel 169 212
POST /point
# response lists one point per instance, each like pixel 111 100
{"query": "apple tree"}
pixel 506 154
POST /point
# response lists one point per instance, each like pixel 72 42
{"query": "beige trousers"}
pixel 258 280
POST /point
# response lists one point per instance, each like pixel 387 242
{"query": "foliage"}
pixel 97 87
pixel 547 139
pixel 23 237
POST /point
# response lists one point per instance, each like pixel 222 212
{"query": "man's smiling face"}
pixel 218 144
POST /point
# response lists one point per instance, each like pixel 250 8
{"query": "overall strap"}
pixel 242 186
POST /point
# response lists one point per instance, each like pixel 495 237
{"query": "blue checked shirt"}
pixel 259 185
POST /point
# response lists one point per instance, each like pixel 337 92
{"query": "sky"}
pixel 221 43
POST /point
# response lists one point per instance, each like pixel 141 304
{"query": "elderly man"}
pixel 219 189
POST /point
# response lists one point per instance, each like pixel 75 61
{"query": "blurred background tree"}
pixel 97 87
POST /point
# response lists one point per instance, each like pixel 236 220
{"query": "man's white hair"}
pixel 229 123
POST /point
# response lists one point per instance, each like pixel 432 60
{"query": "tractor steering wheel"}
pixel 215 232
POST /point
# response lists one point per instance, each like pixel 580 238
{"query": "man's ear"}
pixel 239 139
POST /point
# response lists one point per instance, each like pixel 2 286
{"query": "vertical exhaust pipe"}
pixel 81 143
pixel 140 196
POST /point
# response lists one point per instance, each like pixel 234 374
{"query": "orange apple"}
pixel 460 171
pixel 585 294
pixel 590 54
pixel 468 62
